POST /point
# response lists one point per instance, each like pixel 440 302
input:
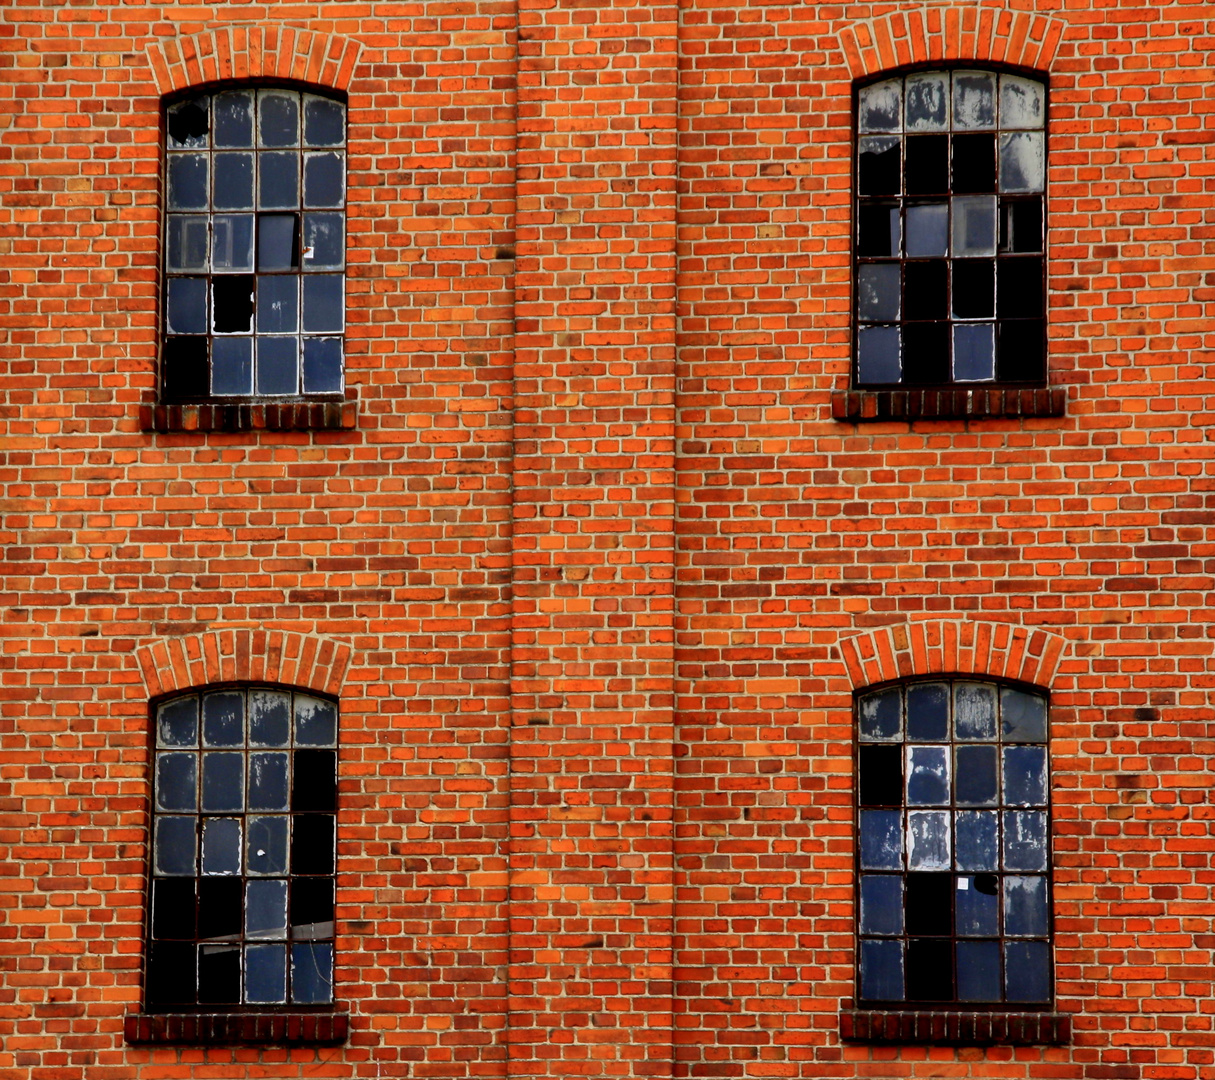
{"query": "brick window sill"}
pixel 869 406
pixel 956 1028
pixel 229 1029
pixel 260 416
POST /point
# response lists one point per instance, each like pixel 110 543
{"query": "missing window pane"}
pixel 881 775
pixel 188 124
pixel 219 909
pixel 927 168
pixel 312 844
pixel 879 165
pixel 311 908
pixel 974 164
pixel 173 903
pixel 878 230
pixel 1019 288
pixel 232 304
pixel 926 354
pixel 219 974
pixel 974 289
pixel 184 362
pixel 929 970
pixel 926 291
pixel 1022 357
pixel 1021 225
pixel 930 904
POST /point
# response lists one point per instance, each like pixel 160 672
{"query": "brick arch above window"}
pixel 938 34
pixel 998 650
pixel 172 665
pixel 253 52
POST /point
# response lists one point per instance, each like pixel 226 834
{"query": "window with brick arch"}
pixel 254 246
pixel 953 859
pixel 243 851
pixel 949 287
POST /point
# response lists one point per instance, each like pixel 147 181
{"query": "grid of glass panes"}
pixel 254 245
pixel 245 794
pixel 954 890
pixel 951 169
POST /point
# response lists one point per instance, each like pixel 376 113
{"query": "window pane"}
pixel 978 971
pixel 1022 161
pixel 312 974
pixel 221 846
pixel 233 182
pixel 234 118
pixel 974 227
pixel 1022 716
pixel 268 781
pixel 881 715
pixel 324 300
pixel 928 840
pixel 187 242
pixel 927 101
pixel 177 722
pixel 324 242
pixel 188 182
pixel 977 906
pixel 324 121
pixel 1027 971
pixel 881 839
pixel 267 845
pixel 223 718
pixel 232 366
pixel 1024 840
pixel 974 352
pixel 277 364
pixel 277 242
pixel 881 106
pixel 878 291
pixel 173 847
pixel 976 776
pixel 186 305
pixel 1026 913
pixel 324 176
pixel 266 974
pixel 233 243
pixel 881 970
pixel 1022 103
pixel 927 230
pixel 322 365
pixel 315 721
pixel 977 840
pixel 188 124
pixel 879 162
pixel 974 99
pixel 927 775
pixel 975 711
pixel 278 304
pixel 266 909
pixel 176 782
pixel 881 904
pixel 928 712
pixel 278 118
pixel 269 718
pixel 278 182
pixel 1025 776
pixel 878 359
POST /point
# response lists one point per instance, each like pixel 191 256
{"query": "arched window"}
pixel 243 849
pixel 953 857
pixel 949 274
pixel 254 246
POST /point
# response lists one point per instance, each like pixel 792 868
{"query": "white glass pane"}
pixel 880 106
pixel 974 226
pixel 928 840
pixel 1022 161
pixel 1022 102
pixel 928 101
pixel 974 100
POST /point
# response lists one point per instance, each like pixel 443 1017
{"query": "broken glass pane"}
pixel 879 165
pixel 234 118
pixel 223 718
pixel 926 291
pixel 974 226
pixel 880 106
pixel 220 908
pixel 186 305
pixel 312 844
pixel 927 165
pixel 927 775
pixel 1022 716
pixel 1022 161
pixel 312 973
pixel 927 98
pixel 974 289
pixel 187 181
pixel 315 778
pixel 928 712
pixel 176 782
pixel 277 365
pixel 233 182
pixel 926 352
pixel 1026 913
pixel 233 240
pixel 1025 776
pixel 268 781
pixel 976 776
pixel 232 366
pixel 232 304
pixel 324 242
pixel 878 232
pixel 881 904
pixel 978 971
pixel 324 121
pixel 221 846
pixel 187 124
pixel 184 364
pixel 266 909
pixel 267 845
pixel 975 711
pixel 278 181
pixel 1027 971
pixel 929 970
pixel 1019 288
pixel 877 359
pixel 219 974
pixel 278 114
pixel 881 715
pixel 173 902
pixel 172 973
pixel 223 781
pixel 976 840
pixel 1021 225
pixel 1024 840
pixel 927 230
pixel 277 304
pixel 177 722
pixel 187 246
pixel 1021 351
pixel 881 971
pixel 881 839
pixel 269 718
pixel 323 175
pixel 174 845
pixel 311 908
pixel 974 352
pixel 881 775
pixel 315 721
pixel 322 365
pixel 928 840
pixel 277 242
pixel 977 910
pixel 1022 102
pixel 266 974
pixel 974 99
pixel 929 904
pixel 974 164
pixel 877 286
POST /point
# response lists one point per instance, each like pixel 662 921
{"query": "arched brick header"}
pixel 930 34
pixel 253 52
pixel 239 655
pixel 1029 655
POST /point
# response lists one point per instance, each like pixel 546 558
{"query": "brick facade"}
pixel 602 542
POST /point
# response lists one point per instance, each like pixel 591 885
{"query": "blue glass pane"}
pixel 977 906
pixel 265 974
pixel 266 909
pixel 324 300
pixel 976 840
pixel 267 845
pixel 221 846
pixel 927 231
pixel 881 715
pixel 234 118
pixel 928 712
pixel 324 242
pixel 1022 716
pixel 324 121
pixel 978 971
pixel 186 305
pixel 278 118
pixel 879 355
pixel 268 781
pixel 277 242
pixel 1024 840
pixel 927 775
pixel 176 781
pixel 233 182
pixel 881 840
pixel 174 845
pixel 928 840
pixel 1026 913
pixel 269 718
pixel 1027 971
pixel 223 782
pixel 312 973
pixel 1025 776
pixel 187 181
pixel 975 711
pixel 278 181
pixel 224 719
pixel 315 721
pixel 976 776
pixel 278 304
pixel 231 366
pixel 881 970
pixel 277 365
pixel 177 722
pixel 881 904
pixel 323 176
pixel 322 365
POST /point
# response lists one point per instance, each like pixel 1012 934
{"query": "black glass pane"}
pixel 1019 288
pixel 925 353
pixel 219 907
pixel 927 164
pixel 974 288
pixel 187 123
pixel 928 712
pixel 929 900
pixel 312 908
pixel 312 844
pixel 1020 356
pixel 185 367
pixel 974 164
pixel 232 303
pixel 878 230
pixel 881 779
pixel 929 970
pixel 926 290
pixel 173 901
pixel 1021 224
pixel 277 242
pixel 975 778
pixel 219 974
pixel 314 786
pixel 879 166
pixel 172 976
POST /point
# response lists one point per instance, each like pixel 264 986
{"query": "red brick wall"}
pixel 596 574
